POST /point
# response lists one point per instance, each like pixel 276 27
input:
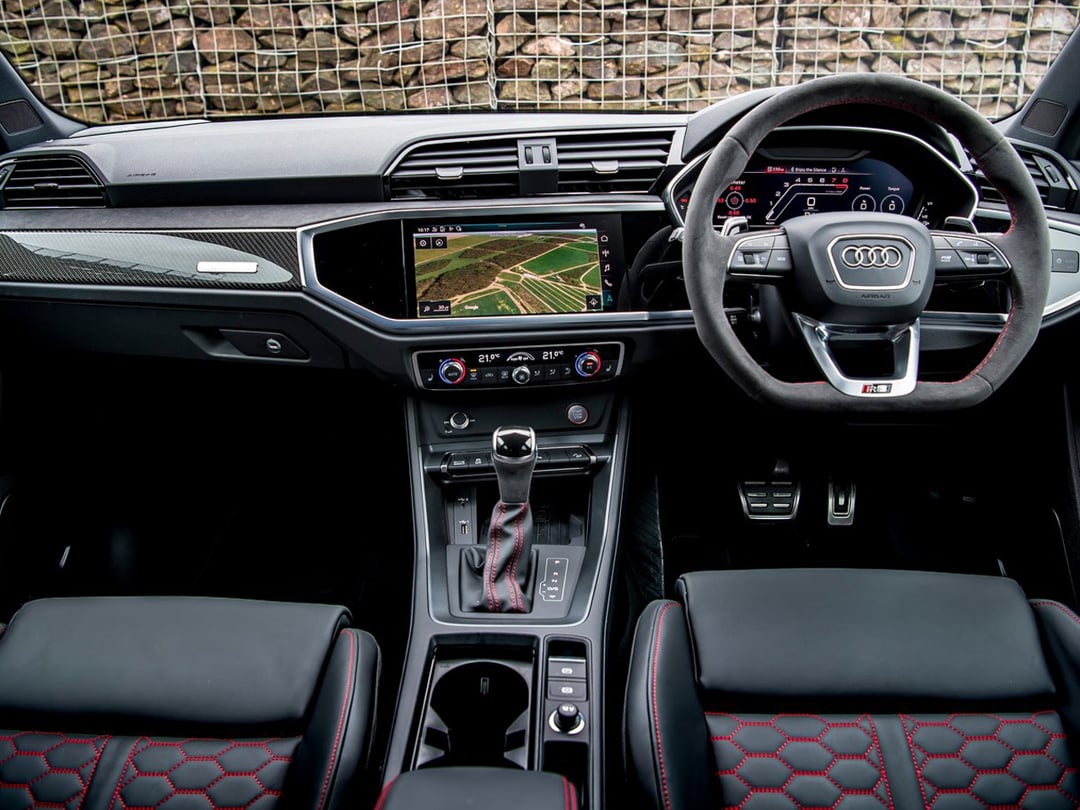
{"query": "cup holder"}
pixel 477 715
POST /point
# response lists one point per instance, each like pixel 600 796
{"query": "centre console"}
pixel 517 496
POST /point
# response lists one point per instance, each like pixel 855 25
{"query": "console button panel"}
pixel 518 366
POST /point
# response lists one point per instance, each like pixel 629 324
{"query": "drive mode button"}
pixel 566 668
pixel 566 690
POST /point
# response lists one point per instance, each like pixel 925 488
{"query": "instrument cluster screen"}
pixel 770 192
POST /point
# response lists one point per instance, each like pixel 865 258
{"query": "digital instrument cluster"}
pixel 768 193
pixel 804 172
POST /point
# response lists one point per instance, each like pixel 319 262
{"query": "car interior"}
pixel 541 452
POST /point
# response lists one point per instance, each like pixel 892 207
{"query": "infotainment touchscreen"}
pixel 474 269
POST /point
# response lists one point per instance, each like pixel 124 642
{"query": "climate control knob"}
pixel 587 364
pixel 521 375
pixel 451 371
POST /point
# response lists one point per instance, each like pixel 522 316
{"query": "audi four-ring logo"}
pixel 881 256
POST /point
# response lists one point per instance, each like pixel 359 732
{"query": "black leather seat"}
pixel 854 689
pixel 178 704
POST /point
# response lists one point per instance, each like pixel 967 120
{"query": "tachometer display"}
pixel 770 192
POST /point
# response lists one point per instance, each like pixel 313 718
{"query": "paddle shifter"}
pixel 505 568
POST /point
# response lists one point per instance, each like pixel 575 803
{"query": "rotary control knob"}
pixel 452 371
pixel 567 719
pixel 521 375
pixel 587 364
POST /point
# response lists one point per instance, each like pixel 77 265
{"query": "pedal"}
pixel 841 503
pixel 774 498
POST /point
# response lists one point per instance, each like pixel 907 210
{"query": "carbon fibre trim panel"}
pixel 150 259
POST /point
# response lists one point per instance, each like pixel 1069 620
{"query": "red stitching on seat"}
pixel 881 756
pixel 1058 606
pixel 880 791
pixel 133 772
pixel 385 792
pixel 53 741
pixel 341 719
pixel 949 723
pixel 656 712
pixel 127 766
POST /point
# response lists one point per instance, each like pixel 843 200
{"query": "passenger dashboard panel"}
pixel 196 259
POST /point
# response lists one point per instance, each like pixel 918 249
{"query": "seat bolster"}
pixel 337 744
pixel 166 665
pixel 1060 628
pixel 864 637
pixel 665 736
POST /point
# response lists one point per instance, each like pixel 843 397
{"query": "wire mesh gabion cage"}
pixel 115 61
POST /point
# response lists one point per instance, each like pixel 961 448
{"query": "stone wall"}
pixel 110 60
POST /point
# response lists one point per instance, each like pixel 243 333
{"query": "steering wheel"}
pixel 866 277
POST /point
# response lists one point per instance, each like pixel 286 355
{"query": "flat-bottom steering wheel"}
pixel 866 276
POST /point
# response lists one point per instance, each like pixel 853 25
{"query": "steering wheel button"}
pixel 757 243
pixel 779 261
pixel 947 260
pixel 753 258
pixel 967 243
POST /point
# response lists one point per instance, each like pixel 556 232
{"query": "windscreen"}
pixel 103 61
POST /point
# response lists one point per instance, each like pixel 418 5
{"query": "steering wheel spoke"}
pixel 902 340
pixel 763 256
pixel 969 257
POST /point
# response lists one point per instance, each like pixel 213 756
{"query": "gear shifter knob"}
pixel 514 456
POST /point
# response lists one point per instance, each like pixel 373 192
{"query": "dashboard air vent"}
pixel 1051 180
pixel 458 170
pixel 618 161
pixel 622 162
pixel 51 182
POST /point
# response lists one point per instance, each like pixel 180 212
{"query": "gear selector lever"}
pixel 505 566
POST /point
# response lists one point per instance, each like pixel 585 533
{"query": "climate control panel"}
pixel 516 367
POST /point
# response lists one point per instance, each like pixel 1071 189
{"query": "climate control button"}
pixel 521 375
pixel 452 371
pixel 587 364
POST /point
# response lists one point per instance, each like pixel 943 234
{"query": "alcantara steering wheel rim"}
pixel 1025 247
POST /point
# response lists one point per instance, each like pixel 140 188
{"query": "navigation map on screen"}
pixel 482 273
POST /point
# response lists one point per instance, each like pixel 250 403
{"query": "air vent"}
pixel 596 162
pixel 459 170
pixel 51 182
pixel 1051 180
pixel 622 162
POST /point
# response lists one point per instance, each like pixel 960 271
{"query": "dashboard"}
pixel 394 252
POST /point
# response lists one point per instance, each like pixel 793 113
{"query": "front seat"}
pixel 183 704
pixel 851 689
